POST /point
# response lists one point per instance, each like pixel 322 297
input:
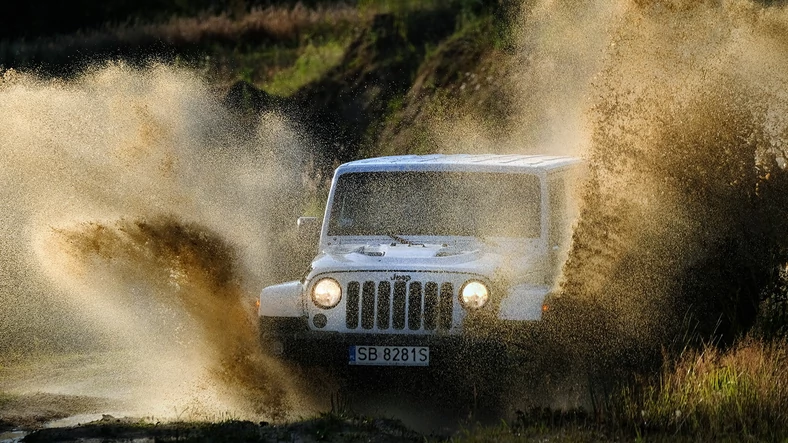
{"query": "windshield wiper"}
pixel 405 241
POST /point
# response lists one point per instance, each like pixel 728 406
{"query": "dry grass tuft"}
pixel 276 23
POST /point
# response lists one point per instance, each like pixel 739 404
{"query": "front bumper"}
pixel 295 340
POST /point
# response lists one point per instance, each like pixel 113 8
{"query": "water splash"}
pixel 135 219
pixel 679 108
pixel 682 228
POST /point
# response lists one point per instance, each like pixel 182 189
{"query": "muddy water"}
pixel 684 124
pixel 135 214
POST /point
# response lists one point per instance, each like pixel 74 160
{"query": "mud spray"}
pixel 681 110
pixel 135 213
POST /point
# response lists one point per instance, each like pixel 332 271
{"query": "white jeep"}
pixel 418 254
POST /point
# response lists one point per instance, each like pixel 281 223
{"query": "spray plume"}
pixel 683 216
pixel 135 217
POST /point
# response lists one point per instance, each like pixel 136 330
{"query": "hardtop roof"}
pixel 461 162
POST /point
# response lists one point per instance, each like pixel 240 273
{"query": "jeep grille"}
pixel 398 305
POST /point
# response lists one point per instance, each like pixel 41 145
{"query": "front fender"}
pixel 524 302
pixel 283 300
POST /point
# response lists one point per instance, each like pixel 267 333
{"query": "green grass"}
pixel 311 64
pixel 717 394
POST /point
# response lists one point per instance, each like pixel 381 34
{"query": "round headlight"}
pixel 326 293
pixel 474 294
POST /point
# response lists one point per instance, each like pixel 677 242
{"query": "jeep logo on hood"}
pixel 402 278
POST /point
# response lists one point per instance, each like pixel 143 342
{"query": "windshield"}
pixel 483 204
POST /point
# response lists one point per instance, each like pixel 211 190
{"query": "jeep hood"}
pixel 476 257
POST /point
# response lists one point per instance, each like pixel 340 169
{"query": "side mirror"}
pixel 308 229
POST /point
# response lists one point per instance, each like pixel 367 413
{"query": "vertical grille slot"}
pixel 368 305
pixel 400 294
pixel 414 306
pixel 351 313
pixel 430 306
pixel 446 305
pixel 384 304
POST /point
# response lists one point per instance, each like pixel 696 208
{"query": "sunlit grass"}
pixel 311 64
pixel 714 393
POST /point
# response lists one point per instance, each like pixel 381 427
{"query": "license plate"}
pixel 390 355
